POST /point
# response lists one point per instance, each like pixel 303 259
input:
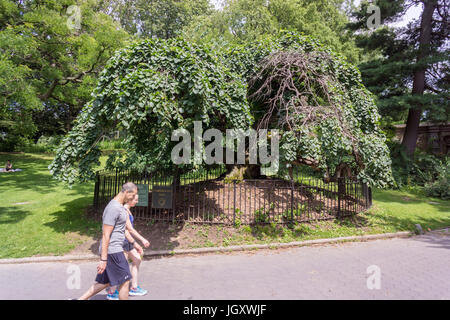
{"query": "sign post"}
pixel 162 197
pixel 143 195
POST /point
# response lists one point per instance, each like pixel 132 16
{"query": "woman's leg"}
pixel 112 289
pixel 135 264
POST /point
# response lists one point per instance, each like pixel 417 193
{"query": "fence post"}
pixel 115 184
pixel 96 190
pixel 292 200
pixel 339 179
pixel 234 205
pixel 365 191
pixel 174 190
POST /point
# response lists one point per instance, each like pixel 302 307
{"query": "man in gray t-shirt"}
pixel 115 215
pixel 113 268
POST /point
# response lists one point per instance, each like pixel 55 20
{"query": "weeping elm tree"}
pixel 325 116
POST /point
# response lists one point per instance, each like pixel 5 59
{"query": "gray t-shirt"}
pixel 115 215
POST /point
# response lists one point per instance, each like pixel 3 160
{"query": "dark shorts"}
pixel 117 270
pixel 127 245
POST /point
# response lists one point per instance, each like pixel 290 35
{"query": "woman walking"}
pixel 132 254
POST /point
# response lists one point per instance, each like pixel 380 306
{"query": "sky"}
pixel 412 14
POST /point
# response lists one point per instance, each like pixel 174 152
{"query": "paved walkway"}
pixel 412 268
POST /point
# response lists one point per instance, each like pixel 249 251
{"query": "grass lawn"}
pixel 40 216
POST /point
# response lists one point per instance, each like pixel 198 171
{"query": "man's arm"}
pixel 107 230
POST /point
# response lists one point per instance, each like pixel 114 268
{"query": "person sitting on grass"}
pixel 132 254
pixel 8 166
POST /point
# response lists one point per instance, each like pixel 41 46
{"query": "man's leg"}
pixel 124 288
pixel 112 289
pixel 93 290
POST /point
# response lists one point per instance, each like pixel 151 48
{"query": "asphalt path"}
pixel 400 268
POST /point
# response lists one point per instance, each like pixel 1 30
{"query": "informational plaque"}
pixel 143 195
pixel 162 197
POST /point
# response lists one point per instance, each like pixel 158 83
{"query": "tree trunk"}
pixel 241 172
pixel 412 125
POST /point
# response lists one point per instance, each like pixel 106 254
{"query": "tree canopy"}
pixel 153 87
pixel 327 117
pixel 46 66
pixel 246 20
pixel 162 19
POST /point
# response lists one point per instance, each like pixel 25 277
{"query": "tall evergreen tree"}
pixel 409 74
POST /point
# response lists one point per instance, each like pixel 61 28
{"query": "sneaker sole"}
pixel 137 294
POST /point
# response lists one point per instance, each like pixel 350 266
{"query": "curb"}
pixel 70 258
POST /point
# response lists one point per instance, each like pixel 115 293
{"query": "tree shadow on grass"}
pixel 353 220
pixel 74 218
pixel 408 223
pixel 9 215
pixel 434 238
pixel 399 223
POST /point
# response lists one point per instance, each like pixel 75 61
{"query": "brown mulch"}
pixel 215 204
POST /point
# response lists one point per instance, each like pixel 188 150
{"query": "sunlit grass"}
pixel 40 216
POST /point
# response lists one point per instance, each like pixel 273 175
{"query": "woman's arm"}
pixel 136 234
pixel 135 244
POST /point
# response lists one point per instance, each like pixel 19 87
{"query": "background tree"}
pixel 46 66
pixel 246 20
pixel 409 75
pixel 162 19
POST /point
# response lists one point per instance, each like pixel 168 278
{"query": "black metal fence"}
pixel 205 197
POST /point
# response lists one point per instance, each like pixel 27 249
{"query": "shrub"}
pixel 45 144
pixel 13 142
pixel 261 216
pixel 419 171
pixel 440 188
